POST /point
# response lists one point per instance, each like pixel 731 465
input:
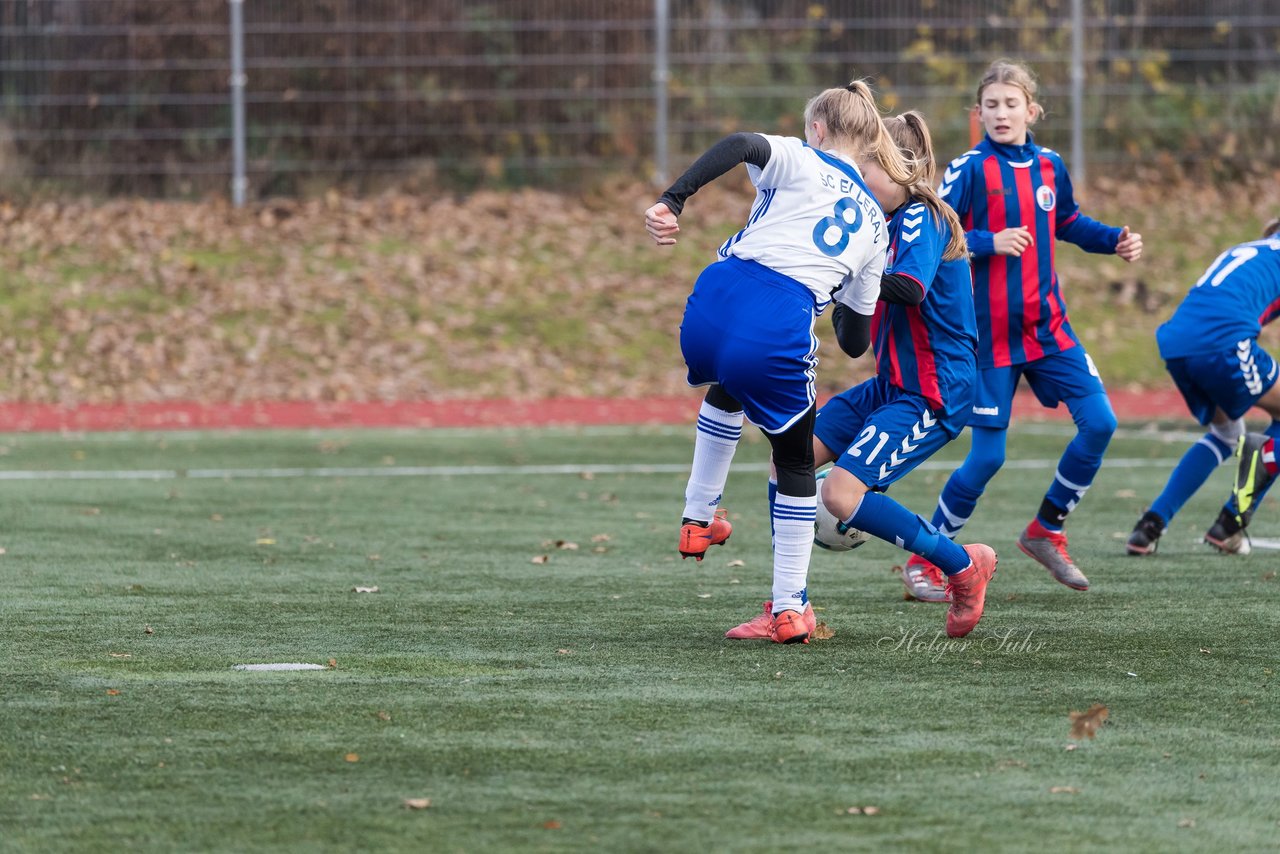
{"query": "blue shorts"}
pixel 879 431
pixel 751 330
pixel 1066 375
pixel 1231 381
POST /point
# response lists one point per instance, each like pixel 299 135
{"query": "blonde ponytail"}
pixel 910 133
pixel 854 126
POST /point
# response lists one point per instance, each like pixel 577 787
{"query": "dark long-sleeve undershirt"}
pixel 735 148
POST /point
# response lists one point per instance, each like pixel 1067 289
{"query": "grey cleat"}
pixel 1049 549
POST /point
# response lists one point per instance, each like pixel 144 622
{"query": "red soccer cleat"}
pixel 695 539
pixel 969 591
pixel 757 628
pixel 789 627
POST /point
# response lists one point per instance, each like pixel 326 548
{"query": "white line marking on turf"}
pixel 474 471
pixel 279 666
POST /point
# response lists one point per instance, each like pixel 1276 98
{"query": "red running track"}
pixel 566 411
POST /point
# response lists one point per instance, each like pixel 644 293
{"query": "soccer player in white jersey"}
pixel 815 235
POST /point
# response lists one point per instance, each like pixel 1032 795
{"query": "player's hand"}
pixel 1130 246
pixel 1013 241
pixel 661 224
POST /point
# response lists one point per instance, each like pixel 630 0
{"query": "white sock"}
pixel 713 446
pixel 792 542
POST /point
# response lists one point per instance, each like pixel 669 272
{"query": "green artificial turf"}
pixel 540 664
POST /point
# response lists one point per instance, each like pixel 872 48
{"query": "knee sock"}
pixel 773 499
pixel 956 504
pixel 1095 424
pixel 1190 473
pixel 716 439
pixel 960 495
pixel 793 518
pixel 881 516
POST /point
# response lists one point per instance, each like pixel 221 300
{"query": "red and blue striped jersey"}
pixel 1021 314
pixel 931 348
pixel 1237 296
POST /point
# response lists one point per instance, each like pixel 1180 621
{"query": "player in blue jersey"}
pixel 925 341
pixel 1015 201
pixel 816 235
pixel 1210 348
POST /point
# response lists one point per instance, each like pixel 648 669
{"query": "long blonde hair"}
pixel 854 125
pixel 910 133
pixel 1013 74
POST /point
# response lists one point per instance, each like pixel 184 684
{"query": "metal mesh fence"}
pixel 133 96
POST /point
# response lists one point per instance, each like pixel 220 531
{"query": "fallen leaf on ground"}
pixel 823 632
pixel 333 664
pixel 1187 822
pixel 147 630
pixel 551 825
pixel 736 563
pixel 265 541
pixel 120 655
pixel 384 715
pixel 540 559
pixel 112 692
pixel 1063 790
pixel 600 538
pixel 352 757
pixel 365 590
pixel 1085 724
pixel 417 803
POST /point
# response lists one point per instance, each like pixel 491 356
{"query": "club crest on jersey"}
pixel 888 258
pixel 1045 197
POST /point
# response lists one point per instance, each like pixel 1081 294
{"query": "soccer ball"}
pixel 826 528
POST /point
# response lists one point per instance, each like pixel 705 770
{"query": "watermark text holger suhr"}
pixel 935 644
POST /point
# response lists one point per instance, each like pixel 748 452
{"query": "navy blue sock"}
pixel 881 516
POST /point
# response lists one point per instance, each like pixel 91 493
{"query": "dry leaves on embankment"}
pixel 398 297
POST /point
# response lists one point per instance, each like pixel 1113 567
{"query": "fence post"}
pixel 661 78
pixel 1077 93
pixel 237 81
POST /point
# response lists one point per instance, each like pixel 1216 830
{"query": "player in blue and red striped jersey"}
pixel 1210 347
pixel 925 342
pixel 1015 201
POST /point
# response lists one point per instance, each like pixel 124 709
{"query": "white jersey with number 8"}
pixel 815 220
